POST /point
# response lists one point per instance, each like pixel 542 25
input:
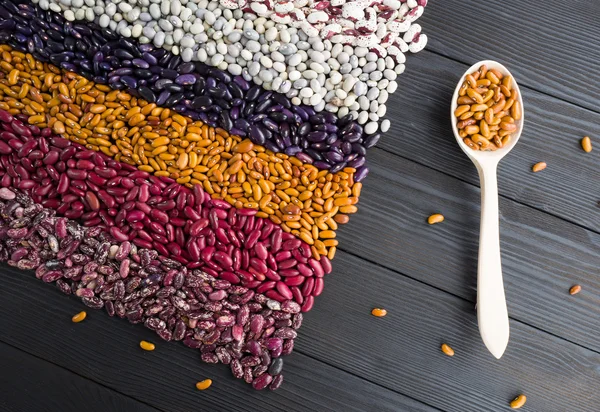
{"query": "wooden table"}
pixel 345 359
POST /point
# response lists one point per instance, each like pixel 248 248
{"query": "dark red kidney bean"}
pixel 143 207
pixel 35 155
pixel 6 181
pixel 175 249
pixel 67 153
pixel 15 144
pixel 91 222
pixel 170 232
pixel 308 303
pixel 107 199
pixel 276 241
pixel 222 236
pixel 144 235
pixel 274 295
pixel 5 148
pixel 271 274
pixel 159 216
pixel 63 183
pixel 297 254
pixel 304 270
pixel 179 236
pixel 42 190
pixel 97 180
pixel 265 286
pixel 117 191
pixel 92 200
pixel 298 297
pixel 318 289
pixel 261 250
pixel 252 238
pixel 284 290
pixel 198 226
pixel 166 205
pixel 259 265
pixel 271 262
pixel 294 280
pixel 26 184
pixel 132 194
pixel 326 265
pixel 316 267
pixel 106 173
pixel 176 221
pixel 308 286
pixel 85 164
pixel 76 174
pixel 128 206
pixel 160 248
pixel 53 173
pixel 223 259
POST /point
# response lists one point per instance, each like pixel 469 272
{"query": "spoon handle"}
pixel 492 315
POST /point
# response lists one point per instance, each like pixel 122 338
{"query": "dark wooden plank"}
pixel 542 255
pixel 106 350
pixel 28 384
pixel 421 131
pixel 552 46
pixel 401 350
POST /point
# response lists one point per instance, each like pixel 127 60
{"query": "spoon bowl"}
pixel 487 156
pixel 492 314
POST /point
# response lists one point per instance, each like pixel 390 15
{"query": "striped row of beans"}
pixel 151 212
pixel 305 201
pixel 326 73
pixel 192 89
pixel 228 324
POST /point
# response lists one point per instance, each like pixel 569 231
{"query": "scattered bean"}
pixel 586 144
pixel 538 167
pixel 518 402
pixel 575 289
pixel 447 350
pixel 435 218
pixel 79 317
pixel 379 312
pixel 205 384
pixel 147 345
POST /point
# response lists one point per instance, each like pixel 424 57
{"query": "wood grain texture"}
pixel 543 256
pixel 32 384
pixel 421 131
pixel 549 45
pixel 106 350
pixel 402 350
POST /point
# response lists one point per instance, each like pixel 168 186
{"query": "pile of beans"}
pixel 185 164
pixel 192 89
pixel 229 324
pixel 488 108
pixel 157 213
pixel 278 45
pixel 305 201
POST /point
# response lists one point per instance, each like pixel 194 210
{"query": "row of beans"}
pixel 170 192
pixel 192 89
pixel 305 201
pixel 157 213
pixel 227 323
pixel 313 60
